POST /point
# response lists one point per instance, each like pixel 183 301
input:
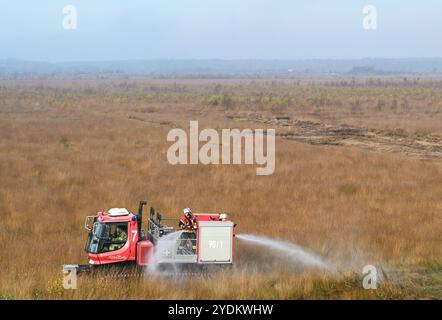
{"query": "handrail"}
pixel 86 223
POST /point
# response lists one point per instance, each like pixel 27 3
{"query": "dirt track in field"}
pixel 423 146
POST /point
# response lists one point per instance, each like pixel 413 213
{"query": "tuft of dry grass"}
pixel 72 148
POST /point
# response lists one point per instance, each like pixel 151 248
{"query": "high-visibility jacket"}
pixel 121 236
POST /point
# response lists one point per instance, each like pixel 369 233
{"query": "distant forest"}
pixel 214 67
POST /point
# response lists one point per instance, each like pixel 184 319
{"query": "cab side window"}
pixel 118 237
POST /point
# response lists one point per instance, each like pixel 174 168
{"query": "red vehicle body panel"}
pixel 144 252
pixel 207 216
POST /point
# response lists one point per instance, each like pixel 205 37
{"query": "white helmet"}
pixel 187 210
pixel 223 216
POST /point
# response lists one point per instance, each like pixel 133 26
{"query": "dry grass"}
pixel 71 148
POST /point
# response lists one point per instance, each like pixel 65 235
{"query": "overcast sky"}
pixel 226 29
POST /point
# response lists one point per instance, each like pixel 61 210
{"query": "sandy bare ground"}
pixel 423 146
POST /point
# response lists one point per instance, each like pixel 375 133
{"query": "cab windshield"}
pixel 101 230
pixel 106 237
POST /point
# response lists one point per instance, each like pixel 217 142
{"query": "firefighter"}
pixel 119 236
pixel 187 244
pixel 187 220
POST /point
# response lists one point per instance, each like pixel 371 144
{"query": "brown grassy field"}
pixel 72 147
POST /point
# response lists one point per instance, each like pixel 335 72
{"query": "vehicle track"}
pixel 423 146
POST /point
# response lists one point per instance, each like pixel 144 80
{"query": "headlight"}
pixel 223 216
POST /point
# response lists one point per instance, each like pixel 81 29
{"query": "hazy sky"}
pixel 228 29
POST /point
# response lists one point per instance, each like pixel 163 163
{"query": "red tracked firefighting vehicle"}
pixel 116 237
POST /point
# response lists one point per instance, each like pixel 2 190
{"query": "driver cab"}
pixel 108 239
